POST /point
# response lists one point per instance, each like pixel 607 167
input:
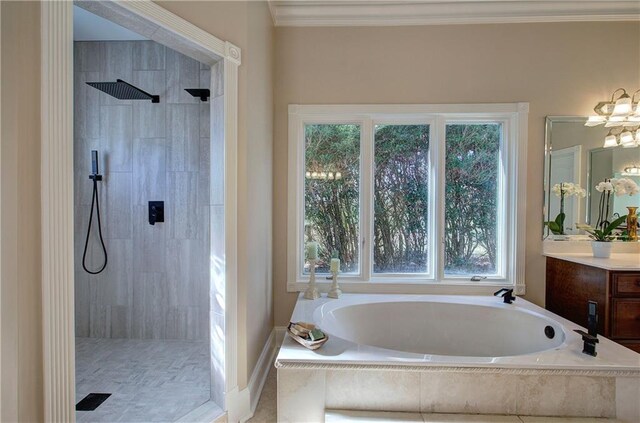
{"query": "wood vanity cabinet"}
pixel 570 285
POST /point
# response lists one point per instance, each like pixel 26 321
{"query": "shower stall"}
pixel 144 158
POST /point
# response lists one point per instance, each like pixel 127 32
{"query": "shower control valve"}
pixel 156 212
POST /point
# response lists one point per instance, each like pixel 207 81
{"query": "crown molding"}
pixel 446 12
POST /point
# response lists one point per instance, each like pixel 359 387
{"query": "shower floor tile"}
pixel 150 380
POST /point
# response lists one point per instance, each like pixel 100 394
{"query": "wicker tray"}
pixel 312 345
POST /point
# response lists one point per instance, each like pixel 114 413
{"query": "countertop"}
pixel 617 261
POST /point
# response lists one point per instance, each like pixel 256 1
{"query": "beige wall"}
pixel 560 69
pixel 248 25
pixel 21 366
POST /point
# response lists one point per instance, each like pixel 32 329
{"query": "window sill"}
pixel 444 288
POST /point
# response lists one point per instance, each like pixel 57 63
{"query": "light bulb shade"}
pixel 622 107
pixel 595 120
pixel 626 138
pixel 638 136
pixel 610 141
pixel 614 121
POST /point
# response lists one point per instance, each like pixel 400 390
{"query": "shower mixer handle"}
pixel 156 212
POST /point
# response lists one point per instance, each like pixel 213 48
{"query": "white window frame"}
pixel 512 187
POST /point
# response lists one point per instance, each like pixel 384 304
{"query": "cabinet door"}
pixel 570 286
pixel 626 318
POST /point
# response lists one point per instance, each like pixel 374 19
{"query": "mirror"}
pixel 574 154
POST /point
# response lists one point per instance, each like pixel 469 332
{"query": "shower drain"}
pixel 91 402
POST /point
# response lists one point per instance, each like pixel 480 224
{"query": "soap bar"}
pixel 316 334
pixel 299 330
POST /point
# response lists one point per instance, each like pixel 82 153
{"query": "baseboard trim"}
pixel 261 371
pixel 238 405
pixel 246 400
pixel 280 333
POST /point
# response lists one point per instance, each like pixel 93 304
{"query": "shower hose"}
pixel 96 203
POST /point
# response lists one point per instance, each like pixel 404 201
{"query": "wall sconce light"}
pixel 622 112
pixel 631 171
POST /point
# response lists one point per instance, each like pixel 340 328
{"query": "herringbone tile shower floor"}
pixel 150 380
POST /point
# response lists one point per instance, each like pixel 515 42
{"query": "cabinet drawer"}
pixel 626 319
pixel 626 283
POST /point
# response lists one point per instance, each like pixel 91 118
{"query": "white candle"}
pixel 335 265
pixel 312 250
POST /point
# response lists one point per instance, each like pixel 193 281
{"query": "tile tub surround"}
pixel 156 284
pixel 557 382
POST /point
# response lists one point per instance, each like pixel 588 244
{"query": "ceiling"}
pixel 440 12
pixel 90 27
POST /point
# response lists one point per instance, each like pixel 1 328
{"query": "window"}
pixel 408 196
pixel 472 200
pixel 332 193
pixel 401 199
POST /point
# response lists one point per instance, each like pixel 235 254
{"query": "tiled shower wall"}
pixel 156 284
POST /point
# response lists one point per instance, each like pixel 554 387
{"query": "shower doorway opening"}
pixel 156 328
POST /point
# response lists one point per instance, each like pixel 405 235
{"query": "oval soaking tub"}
pixel 447 326
pixel 450 354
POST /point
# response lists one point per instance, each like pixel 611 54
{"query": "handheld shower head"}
pixel 95 203
pixel 94 175
pixel 94 162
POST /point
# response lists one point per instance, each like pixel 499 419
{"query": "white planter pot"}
pixel 601 249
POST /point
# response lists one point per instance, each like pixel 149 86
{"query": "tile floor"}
pixel 150 380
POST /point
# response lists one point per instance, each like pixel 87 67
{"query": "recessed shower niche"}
pixel 145 325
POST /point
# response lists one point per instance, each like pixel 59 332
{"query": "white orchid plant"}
pixel 618 187
pixel 562 191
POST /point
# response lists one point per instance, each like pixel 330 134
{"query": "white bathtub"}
pixel 439 325
pixel 451 354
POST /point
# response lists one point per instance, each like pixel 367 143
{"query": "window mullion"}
pixel 366 198
pixel 438 206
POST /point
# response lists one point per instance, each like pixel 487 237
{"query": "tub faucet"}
pixel 589 342
pixel 590 339
pixel 506 294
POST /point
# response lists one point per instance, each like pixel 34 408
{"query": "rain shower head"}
pixel 124 91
